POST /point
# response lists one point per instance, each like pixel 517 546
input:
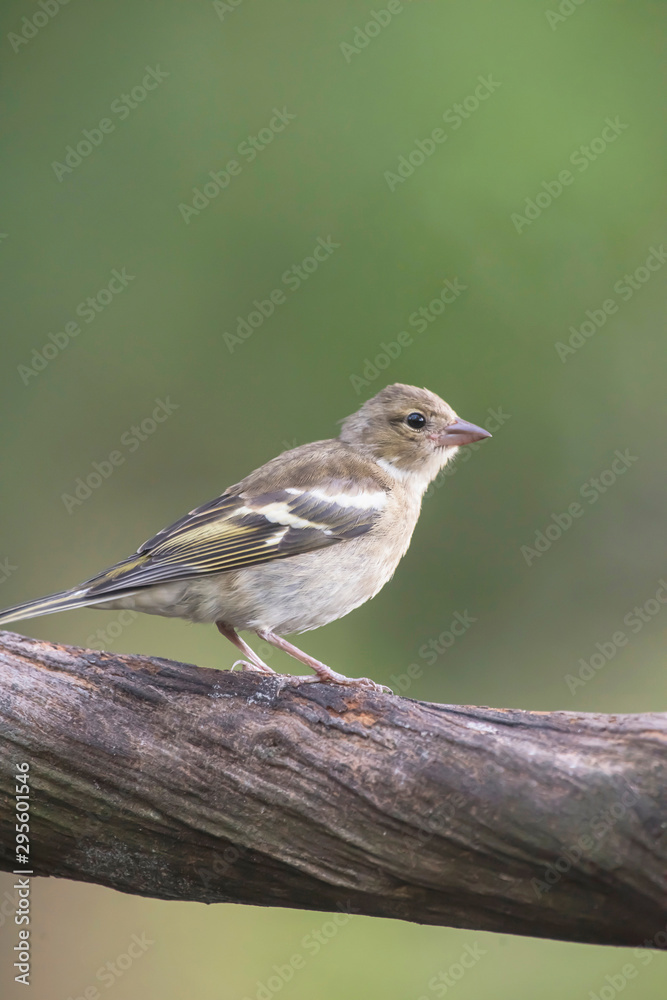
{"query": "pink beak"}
pixel 460 433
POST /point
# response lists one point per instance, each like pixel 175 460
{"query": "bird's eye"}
pixel 415 420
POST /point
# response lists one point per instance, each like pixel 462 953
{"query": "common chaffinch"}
pixel 298 543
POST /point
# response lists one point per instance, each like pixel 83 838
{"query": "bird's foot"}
pixel 333 677
pixel 253 662
pixel 323 673
pixel 254 668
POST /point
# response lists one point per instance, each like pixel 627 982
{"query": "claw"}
pixel 335 678
pixel 246 666
pixel 371 685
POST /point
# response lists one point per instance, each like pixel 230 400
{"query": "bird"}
pixel 300 542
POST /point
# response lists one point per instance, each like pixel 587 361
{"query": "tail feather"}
pixel 66 600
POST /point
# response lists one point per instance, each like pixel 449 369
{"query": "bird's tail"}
pixel 66 600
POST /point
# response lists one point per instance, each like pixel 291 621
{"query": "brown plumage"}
pixel 300 542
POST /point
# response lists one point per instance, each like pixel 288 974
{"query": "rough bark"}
pixel 169 780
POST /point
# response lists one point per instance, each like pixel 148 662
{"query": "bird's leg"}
pixel 253 661
pixel 322 671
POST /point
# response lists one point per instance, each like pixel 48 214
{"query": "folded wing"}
pixel 234 531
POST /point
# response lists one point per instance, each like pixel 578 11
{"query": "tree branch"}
pixel 168 780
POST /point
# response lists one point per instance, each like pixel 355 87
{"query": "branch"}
pixel 168 780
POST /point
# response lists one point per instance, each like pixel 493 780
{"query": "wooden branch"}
pixel 168 780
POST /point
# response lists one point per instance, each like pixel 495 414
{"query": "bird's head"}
pixel 410 432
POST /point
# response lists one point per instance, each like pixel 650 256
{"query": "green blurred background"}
pixel 225 69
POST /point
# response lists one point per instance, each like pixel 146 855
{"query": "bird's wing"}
pixel 238 530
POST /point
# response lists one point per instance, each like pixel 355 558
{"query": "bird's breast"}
pixel 306 591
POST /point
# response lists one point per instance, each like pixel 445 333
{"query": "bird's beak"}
pixel 461 432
